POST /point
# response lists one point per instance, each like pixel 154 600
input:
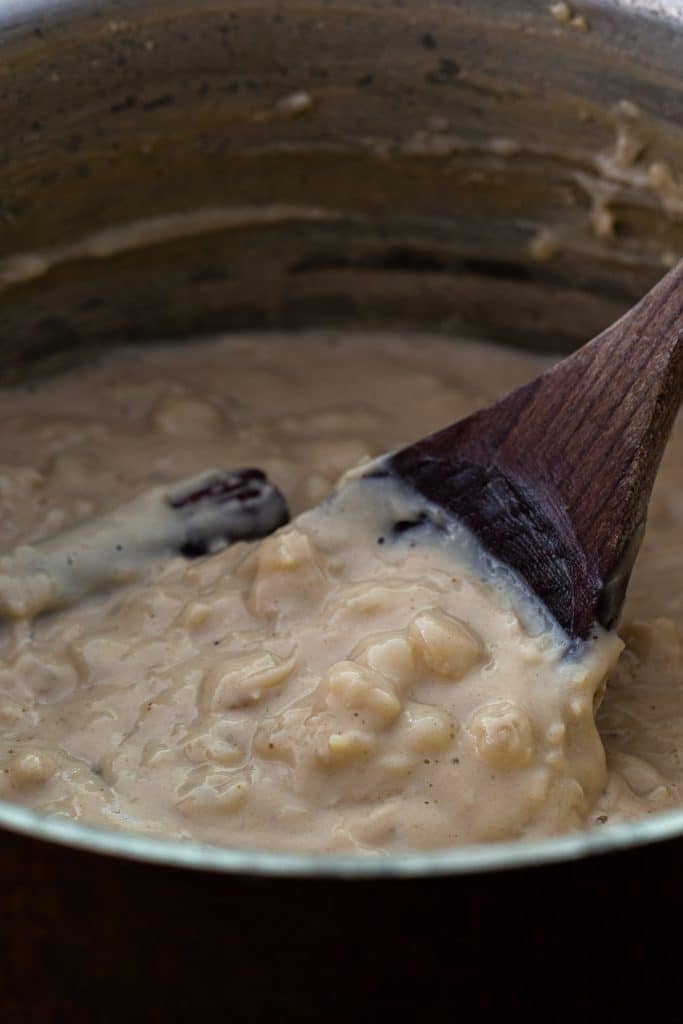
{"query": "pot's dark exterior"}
pixel 87 939
pixel 114 111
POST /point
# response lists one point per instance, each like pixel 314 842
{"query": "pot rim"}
pixel 464 860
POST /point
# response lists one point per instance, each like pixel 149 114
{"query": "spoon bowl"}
pixel 555 478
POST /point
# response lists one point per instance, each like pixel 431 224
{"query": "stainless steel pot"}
pixel 179 167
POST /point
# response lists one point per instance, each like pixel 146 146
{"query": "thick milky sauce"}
pixel 338 685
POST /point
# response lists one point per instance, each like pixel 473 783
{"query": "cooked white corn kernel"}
pixel 288 574
pixel 343 747
pixel 502 735
pixel 244 680
pixel 445 644
pixel 195 614
pixel 429 730
pixel 390 654
pixel 285 552
pixel 31 768
pixel 355 687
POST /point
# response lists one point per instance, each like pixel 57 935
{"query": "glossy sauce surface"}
pixel 333 687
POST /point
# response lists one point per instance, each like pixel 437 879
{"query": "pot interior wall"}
pixel 480 168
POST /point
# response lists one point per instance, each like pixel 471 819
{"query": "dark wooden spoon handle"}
pixel 555 478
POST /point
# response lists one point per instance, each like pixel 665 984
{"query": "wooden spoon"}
pixel 555 479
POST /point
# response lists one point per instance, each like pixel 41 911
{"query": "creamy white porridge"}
pixel 333 686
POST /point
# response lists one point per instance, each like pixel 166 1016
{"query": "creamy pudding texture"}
pixel 339 685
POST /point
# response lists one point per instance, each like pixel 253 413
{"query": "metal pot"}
pixel 174 168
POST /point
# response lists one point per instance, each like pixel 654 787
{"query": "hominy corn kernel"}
pixel 445 644
pixel 355 687
pixel 245 679
pixel 195 614
pixel 343 747
pixel 428 730
pixel 32 768
pixel 390 654
pixel 502 735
